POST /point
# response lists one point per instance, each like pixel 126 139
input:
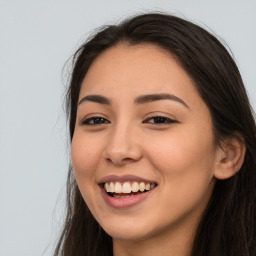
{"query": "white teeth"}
pixel 127 187
pixel 111 187
pixel 135 187
pixel 118 188
pixel 147 187
pixel 106 186
pixel 142 186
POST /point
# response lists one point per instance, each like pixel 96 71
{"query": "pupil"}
pixel 160 119
pixel 98 120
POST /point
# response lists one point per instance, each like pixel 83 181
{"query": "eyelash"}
pixel 163 118
pixel 104 121
pixel 88 120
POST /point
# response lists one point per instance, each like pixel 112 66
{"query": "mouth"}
pixel 127 189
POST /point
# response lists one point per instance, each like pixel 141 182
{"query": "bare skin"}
pixel 168 140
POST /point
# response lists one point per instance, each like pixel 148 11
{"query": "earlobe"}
pixel 229 158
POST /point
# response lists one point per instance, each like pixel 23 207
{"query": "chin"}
pixel 132 236
pixel 127 232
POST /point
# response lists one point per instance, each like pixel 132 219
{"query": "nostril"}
pixel 119 161
pixel 127 160
pixel 125 151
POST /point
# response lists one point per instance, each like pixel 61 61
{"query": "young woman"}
pixel 163 145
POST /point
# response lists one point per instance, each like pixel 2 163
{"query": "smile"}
pixel 125 191
pixel 118 189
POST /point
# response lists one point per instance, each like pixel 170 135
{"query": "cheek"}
pixel 182 157
pixel 85 155
pixel 185 166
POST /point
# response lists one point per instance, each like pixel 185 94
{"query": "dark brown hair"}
pixel 228 225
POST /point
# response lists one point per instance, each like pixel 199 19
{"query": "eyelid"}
pixel 152 115
pixel 169 120
pixel 95 116
pixel 161 114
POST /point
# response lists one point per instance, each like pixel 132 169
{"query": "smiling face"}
pixel 141 124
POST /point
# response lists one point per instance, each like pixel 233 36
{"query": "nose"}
pixel 123 146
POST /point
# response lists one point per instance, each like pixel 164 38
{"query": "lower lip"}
pixel 124 202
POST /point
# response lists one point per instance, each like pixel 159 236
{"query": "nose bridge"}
pixel 122 144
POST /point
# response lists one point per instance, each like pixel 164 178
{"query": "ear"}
pixel 230 157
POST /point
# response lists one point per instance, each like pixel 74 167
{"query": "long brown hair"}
pixel 228 226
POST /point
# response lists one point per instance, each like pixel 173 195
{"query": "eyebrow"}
pixel 139 100
pixel 95 98
pixel 155 97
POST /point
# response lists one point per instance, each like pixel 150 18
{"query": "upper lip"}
pixel 123 178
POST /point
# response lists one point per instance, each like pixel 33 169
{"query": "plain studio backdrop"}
pixel 36 39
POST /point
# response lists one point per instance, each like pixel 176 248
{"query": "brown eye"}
pixel 159 120
pixel 95 121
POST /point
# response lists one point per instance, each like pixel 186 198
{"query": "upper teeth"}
pixel 127 187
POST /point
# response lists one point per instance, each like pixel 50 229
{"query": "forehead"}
pixel 125 70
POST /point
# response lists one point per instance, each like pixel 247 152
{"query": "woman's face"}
pixel 142 125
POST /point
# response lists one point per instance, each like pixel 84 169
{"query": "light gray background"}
pixel 36 38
